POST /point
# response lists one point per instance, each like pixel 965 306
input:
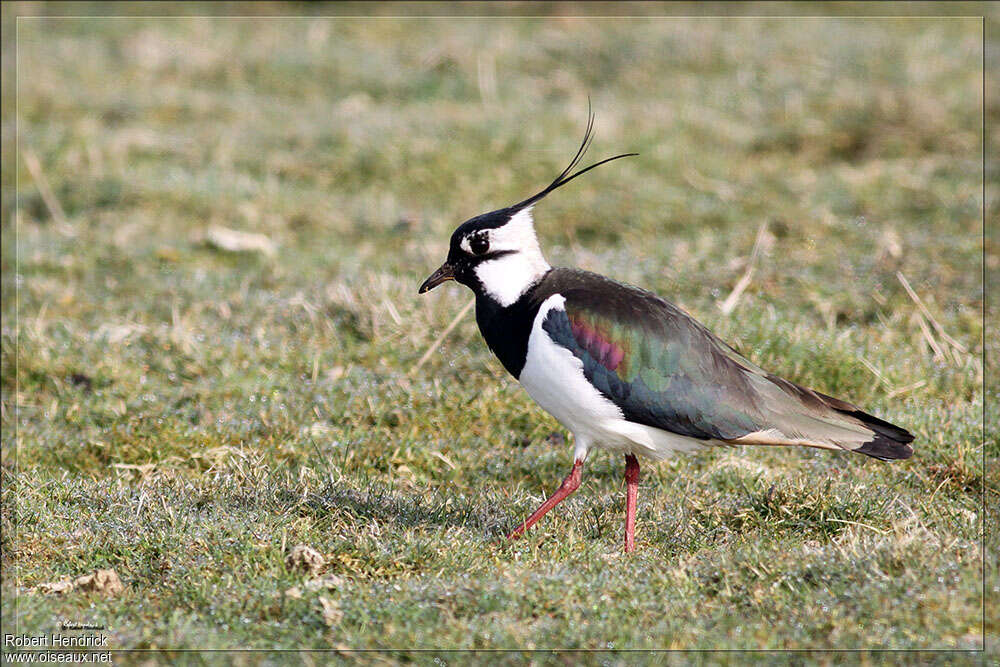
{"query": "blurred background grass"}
pixel 185 413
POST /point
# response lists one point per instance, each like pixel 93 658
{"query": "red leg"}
pixel 631 492
pixel 568 486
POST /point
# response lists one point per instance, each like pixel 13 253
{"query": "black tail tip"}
pixel 886 449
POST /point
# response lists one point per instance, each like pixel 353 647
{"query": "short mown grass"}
pixel 185 415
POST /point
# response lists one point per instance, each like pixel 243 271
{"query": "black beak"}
pixel 443 274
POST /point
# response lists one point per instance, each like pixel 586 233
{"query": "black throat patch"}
pixel 507 329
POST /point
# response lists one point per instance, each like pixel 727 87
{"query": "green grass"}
pixel 185 415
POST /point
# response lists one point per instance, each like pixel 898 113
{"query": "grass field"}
pixel 185 414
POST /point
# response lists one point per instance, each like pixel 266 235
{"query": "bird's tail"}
pixel 889 442
pixel 820 420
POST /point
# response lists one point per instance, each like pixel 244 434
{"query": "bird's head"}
pixel 496 254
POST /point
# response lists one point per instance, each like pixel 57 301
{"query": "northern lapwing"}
pixel 626 370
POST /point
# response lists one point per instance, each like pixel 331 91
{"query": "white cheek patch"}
pixel 521 264
pixel 517 234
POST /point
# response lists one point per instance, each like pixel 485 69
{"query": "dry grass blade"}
pixel 908 388
pixel 45 190
pixel 729 304
pixel 440 339
pixel 445 459
pixel 875 371
pixel 858 523
pixel 486 79
pixel 233 240
pixel 929 337
pixel 923 309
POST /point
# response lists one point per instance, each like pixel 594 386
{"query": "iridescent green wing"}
pixel 656 363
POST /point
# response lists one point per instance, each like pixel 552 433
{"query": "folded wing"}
pixel 665 370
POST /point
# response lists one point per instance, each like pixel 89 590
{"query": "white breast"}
pixel 554 377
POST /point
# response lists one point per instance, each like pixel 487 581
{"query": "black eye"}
pixel 479 244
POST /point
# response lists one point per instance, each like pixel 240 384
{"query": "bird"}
pixel 625 370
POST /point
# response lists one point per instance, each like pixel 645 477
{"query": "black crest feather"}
pixel 562 179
